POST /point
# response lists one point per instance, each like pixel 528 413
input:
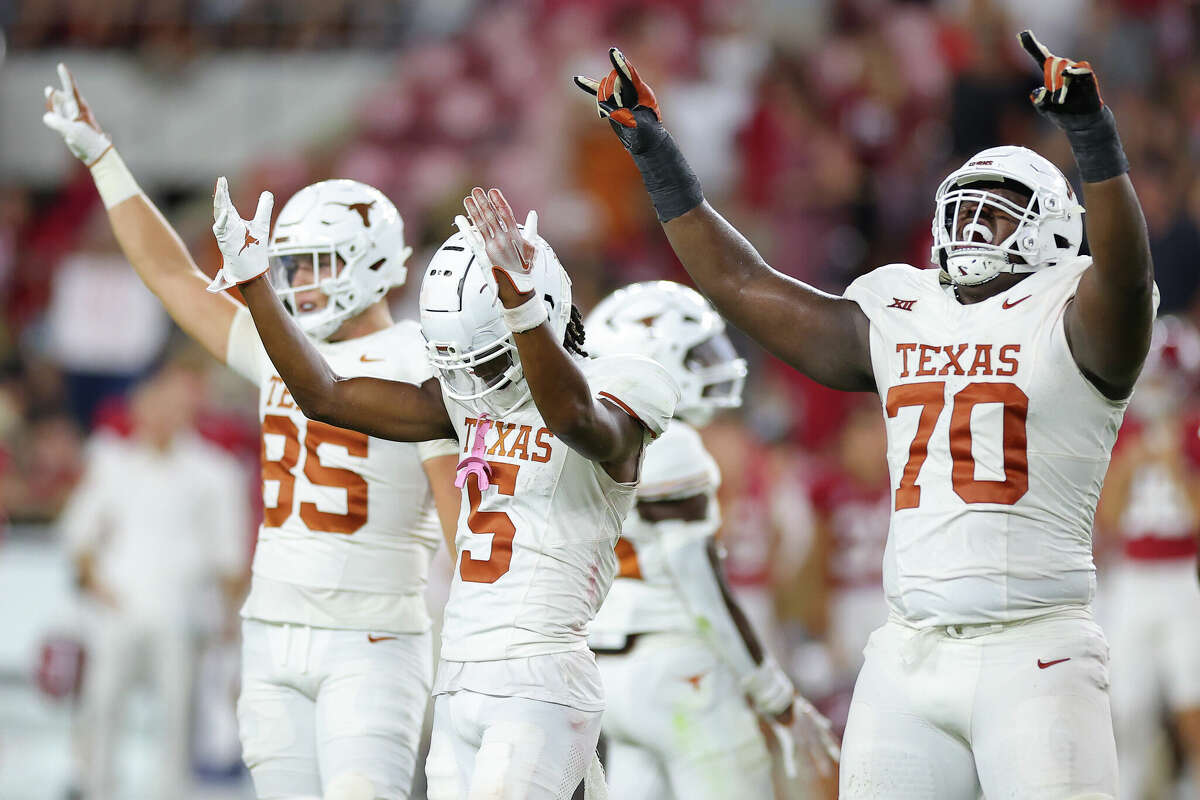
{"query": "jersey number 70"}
pixel 931 397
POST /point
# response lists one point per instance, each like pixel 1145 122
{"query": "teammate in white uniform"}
pixel 337 651
pixel 552 444
pixel 1152 501
pixel 677 655
pixel 1004 376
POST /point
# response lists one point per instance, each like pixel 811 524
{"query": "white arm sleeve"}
pixel 685 547
pixel 245 354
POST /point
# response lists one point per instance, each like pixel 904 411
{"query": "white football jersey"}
pixel 645 597
pixel 348 526
pixel 997 446
pixel 536 547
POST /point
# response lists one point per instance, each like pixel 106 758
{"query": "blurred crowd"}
pixel 819 127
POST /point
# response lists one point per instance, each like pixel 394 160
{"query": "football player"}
pixel 337 648
pixel 1004 375
pixel 552 444
pixel 677 654
pixel 1152 500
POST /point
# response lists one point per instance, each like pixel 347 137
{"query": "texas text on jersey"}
pixel 542 529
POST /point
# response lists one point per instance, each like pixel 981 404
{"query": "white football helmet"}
pixel 467 341
pixel 1049 227
pixel 351 238
pixel 675 326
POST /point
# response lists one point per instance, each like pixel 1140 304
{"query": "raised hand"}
pixel 69 115
pixel 1070 86
pixel 243 243
pixel 629 105
pixel 625 100
pixel 495 238
pixel 1070 98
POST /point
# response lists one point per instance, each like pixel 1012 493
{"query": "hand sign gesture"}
pixel 497 240
pixel 243 243
pixel 69 114
pixel 625 100
pixel 1070 98
pixel 629 105
pixel 1070 86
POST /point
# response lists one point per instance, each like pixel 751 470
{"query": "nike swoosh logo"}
pixel 1007 304
pixel 372 639
pixel 365 360
pixel 1044 664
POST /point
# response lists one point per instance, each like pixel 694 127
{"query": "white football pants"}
pixel 1019 711
pixel 332 713
pixel 507 748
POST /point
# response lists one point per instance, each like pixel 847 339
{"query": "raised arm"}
pixel 823 336
pixel 148 241
pixel 382 408
pixel 1108 324
pixel 597 429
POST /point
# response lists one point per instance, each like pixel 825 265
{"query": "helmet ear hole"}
pixel 1061 241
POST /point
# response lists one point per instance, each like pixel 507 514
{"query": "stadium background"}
pixel 819 127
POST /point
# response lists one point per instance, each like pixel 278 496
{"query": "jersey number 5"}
pixel 281 471
pixel 497 523
pixel 931 397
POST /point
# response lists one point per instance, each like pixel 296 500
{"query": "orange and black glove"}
pixel 1070 98
pixel 629 105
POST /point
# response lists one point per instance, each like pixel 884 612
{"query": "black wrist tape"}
pixel 1096 145
pixel 674 188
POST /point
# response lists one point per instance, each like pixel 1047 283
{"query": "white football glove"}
pixel 68 114
pixel 474 240
pixel 243 243
pixel 495 237
pixel 769 688
pixel 520 278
